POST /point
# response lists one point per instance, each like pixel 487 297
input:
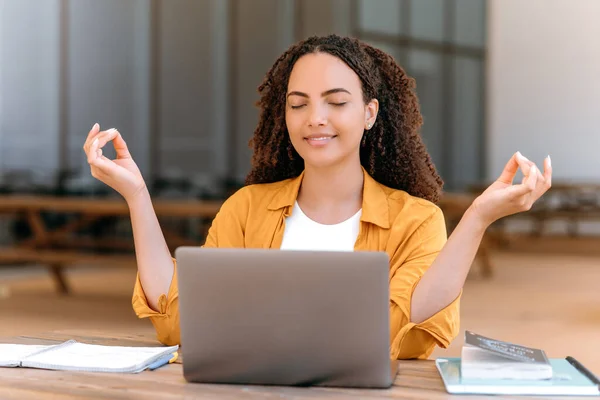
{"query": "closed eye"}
pixel 297 107
pixel 338 104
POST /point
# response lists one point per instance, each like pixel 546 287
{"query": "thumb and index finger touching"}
pixel 532 175
pixel 512 166
pixel 112 135
pixel 97 139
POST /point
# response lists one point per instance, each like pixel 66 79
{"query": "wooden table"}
pixel 417 379
pixel 60 246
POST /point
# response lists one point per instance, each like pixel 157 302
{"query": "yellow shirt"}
pixel 411 230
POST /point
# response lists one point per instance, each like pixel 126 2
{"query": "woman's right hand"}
pixel 121 174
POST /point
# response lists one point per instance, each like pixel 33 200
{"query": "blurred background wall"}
pixel 544 85
pixel 178 78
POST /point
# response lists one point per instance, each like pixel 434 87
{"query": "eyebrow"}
pixel 325 93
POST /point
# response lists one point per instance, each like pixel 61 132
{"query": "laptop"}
pixel 284 317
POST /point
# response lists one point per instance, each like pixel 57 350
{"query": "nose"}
pixel 317 116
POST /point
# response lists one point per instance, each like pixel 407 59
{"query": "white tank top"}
pixel 302 233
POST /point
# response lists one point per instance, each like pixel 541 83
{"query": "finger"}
pixel 118 142
pixel 532 178
pixel 97 160
pixel 524 163
pixel 93 132
pixel 106 137
pixel 516 191
pixel 95 151
pixel 98 134
pixel 544 182
pixel 121 147
pixel 510 170
pixel 92 151
pixel 104 165
pixel 548 172
pixel 534 182
pixel 527 187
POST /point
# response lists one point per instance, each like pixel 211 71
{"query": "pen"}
pixel 584 371
pixel 167 359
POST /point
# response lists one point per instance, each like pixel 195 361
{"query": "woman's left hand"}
pixel 502 198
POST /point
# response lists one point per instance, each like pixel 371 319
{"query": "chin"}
pixel 322 155
pixel 321 160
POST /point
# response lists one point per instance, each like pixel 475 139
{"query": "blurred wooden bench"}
pixel 571 202
pixel 56 260
pixel 58 247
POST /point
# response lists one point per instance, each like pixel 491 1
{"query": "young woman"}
pixel 338 164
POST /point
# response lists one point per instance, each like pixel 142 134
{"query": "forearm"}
pixel 154 262
pixel 443 281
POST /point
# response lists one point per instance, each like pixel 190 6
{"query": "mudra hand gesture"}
pixel 502 198
pixel 122 174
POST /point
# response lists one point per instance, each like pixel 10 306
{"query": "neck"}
pixel 332 188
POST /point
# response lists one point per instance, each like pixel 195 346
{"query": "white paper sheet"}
pixel 12 354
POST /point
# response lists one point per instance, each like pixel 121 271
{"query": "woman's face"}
pixel 325 111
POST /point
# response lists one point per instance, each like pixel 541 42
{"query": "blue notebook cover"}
pixel 566 381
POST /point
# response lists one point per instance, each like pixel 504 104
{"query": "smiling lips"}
pixel 319 140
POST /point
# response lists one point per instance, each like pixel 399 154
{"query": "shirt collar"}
pixel 374 205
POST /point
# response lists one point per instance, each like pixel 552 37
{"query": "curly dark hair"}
pixel 392 152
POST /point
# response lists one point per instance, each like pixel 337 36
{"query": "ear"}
pixel 371 110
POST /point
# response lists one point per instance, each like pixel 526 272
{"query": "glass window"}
pixel 398 52
pixel 469 23
pixel 426 68
pixel 450 78
pixel 427 20
pixel 382 16
pixel 467 121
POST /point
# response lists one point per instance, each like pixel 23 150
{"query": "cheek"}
pixel 349 122
pixel 293 125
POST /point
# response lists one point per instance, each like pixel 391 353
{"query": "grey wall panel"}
pixel 29 85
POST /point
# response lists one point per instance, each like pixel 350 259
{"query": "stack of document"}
pixel 490 366
pixel 483 358
pixel 74 356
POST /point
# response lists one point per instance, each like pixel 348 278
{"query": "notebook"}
pixel 566 380
pixel 75 356
pixel 486 358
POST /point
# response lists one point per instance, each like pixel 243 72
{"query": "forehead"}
pixel 321 71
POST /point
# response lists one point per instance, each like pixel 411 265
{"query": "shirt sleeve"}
pixel 166 319
pixel 408 264
pixel 224 231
